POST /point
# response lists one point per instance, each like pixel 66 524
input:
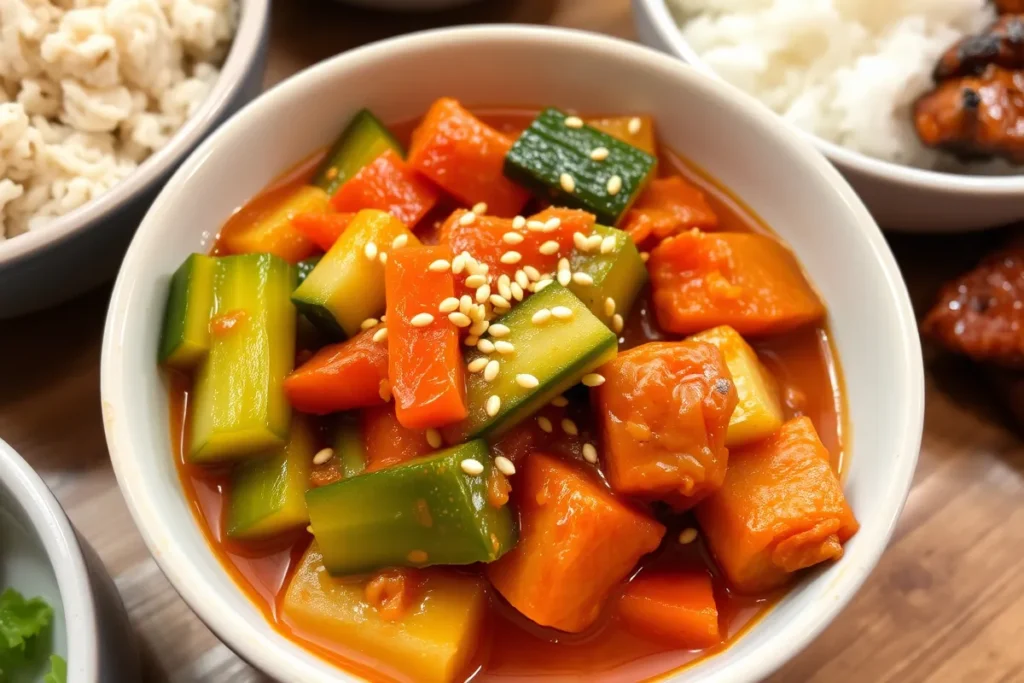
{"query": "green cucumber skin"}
pixel 430 505
pixel 620 274
pixel 185 337
pixel 306 267
pixel 321 317
pixel 348 444
pixel 548 148
pixel 363 140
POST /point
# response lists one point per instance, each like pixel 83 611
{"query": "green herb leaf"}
pixel 58 670
pixel 21 619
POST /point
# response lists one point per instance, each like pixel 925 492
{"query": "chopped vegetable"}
pixel 387 442
pixel 305 267
pixel 364 139
pixel 780 509
pixel 633 130
pixel 577 542
pixel 185 338
pixel 273 232
pixel 267 495
pixel 349 446
pixel 239 404
pixel 425 361
pixel 341 376
pixel 323 228
pixel 677 608
pixel 434 641
pixel 664 408
pixel 347 286
pixel 424 512
pixel 750 282
pixel 758 412
pixel 555 159
pixel 388 184
pixel 23 624
pixel 668 206
pixel 615 274
pixel 58 670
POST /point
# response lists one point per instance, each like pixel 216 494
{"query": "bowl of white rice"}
pixel 100 100
pixel 846 73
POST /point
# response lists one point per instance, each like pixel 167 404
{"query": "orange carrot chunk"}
pixel 424 358
pixel 387 442
pixel 466 157
pixel 677 608
pixel 666 207
pixel 388 184
pixel 340 376
pixel 780 509
pixel 749 282
pixel 576 542
pixel 322 228
pixel 664 410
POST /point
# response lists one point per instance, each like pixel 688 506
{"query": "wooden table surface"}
pixel 945 604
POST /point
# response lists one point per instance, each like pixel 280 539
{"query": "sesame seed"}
pixel 380 335
pixel 448 305
pixel 548 248
pixel 589 453
pixel 512 238
pixel 480 208
pixel 478 313
pixel 582 279
pixel 521 279
pixel 399 241
pixel 421 320
pixel 477 364
pixel 609 307
pixel 505 287
pixel 687 535
pixel 608 244
pixel 458 264
pixel 644 256
pixel 491 370
pixel 531 273
pixel 573 122
pixel 552 223
pixel 563 264
pixel 593 242
pixel 545 424
pixel 511 257
pixel 482 293
pixel 434 438
pixel 499 330
pixel 476 268
pixel 560 401
pixel 465 303
pixel 562 312
pixel 370 250
pixel 617 323
pixel 541 316
pixel 614 185
pixel 527 381
pixel 322 456
pixel 439 266
pixel 382 257
pixel 479 327
pixel 472 467
pixel 566 182
pixel 384 390
pixel 504 347
pixel 599 153
pixel 493 405
pixel 542 284
pixel 569 427
pixel 368 323
pixel 467 218
pixel 517 291
pixel 485 346
pixel 309 528
pixel 580 240
pixel 593 380
pixel 518 222
pixel 535 225
pixel 564 276
pixel 471 340
pixel 498 301
pixel 634 125
pixel 459 319
pixel 504 465
pixel 384 317
pixel 475 281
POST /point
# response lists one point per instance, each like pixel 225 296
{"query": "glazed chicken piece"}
pixel 981 313
pixel 975 116
pixel 1010 6
pixel 1002 44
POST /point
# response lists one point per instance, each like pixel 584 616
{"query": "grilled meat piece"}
pixel 1002 43
pixel 981 313
pixel 975 116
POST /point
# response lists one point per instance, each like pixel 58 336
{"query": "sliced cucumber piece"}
pixel 239 405
pixel 306 267
pixel 349 446
pixel 185 338
pixel 427 511
pixel 362 141
pixel 618 273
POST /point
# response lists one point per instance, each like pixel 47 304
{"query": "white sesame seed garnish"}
pixel 589 453
pixel 499 330
pixel 569 427
pixel 322 456
pixel 493 405
pixel 541 316
pixel 439 266
pixel 491 370
pixel 548 248
pixel 687 536
pixel 512 237
pixel 471 340
pixel 527 381
pixel 562 312
pixel 542 284
pixel 485 346
pixel 399 241
pixel 482 293
pixel 472 467
pixel 479 327
pixel 545 424
pixel 370 250
pixel 459 319
pixel 593 242
pixel 634 125
pixel 477 364
pixel 614 185
pixel 532 273
pixel 580 240
pixel 467 218
pixel 476 268
pixel 478 312
pixel 465 303
pixel 448 305
pixel 608 244
pixel 480 208
pixel 504 347
pixel 534 225
pixel 475 281
pixel 567 183
pixel 552 223
pixel 573 122
pixel 421 320
pixel 518 222
pixel 644 256
pixel 593 380
pixel 498 301
pixel 517 291
pixel 505 466
pixel 384 390
pixel 510 257
pixel 382 257
pixel 609 307
pixel 560 401
pixel 582 279
pixel 617 323
pixel 505 287
pixel 564 276
pixel 599 153
pixel 384 317
pixel 521 279
pixel 368 323
pixel 434 438
pixel 380 335
pixel 458 264
pixel 563 264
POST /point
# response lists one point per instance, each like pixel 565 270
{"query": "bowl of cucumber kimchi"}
pixel 478 374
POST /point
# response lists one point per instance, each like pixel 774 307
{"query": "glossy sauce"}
pixel 515 648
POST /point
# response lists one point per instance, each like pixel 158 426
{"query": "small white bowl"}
pixel 727 133
pixel 901 198
pixel 83 248
pixel 40 555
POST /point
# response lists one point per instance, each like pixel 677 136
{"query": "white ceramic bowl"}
pixel 83 248
pixel 40 555
pixel 721 129
pixel 900 197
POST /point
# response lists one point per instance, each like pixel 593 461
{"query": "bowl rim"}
pixel 51 524
pixel 254 15
pixel 266 652
pixel 665 26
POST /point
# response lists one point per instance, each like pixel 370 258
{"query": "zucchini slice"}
pixel 185 338
pixel 364 139
pixel 618 273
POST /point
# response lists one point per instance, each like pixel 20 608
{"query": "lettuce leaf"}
pixel 21 622
pixel 58 670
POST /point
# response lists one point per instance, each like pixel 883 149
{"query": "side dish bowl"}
pixel 900 197
pixel 725 132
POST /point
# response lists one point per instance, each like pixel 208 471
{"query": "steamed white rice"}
pixel 846 70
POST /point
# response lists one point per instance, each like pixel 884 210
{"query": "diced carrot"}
pixel 664 409
pixel 780 509
pixel 621 127
pixel 340 376
pixel 322 228
pixel 264 225
pixel 426 370
pixel 749 282
pixel 666 207
pixel 466 157
pixel 388 443
pixel 677 608
pixel 388 184
pixel 577 541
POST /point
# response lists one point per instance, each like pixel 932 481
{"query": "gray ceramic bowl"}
pixel 41 555
pixel 84 248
